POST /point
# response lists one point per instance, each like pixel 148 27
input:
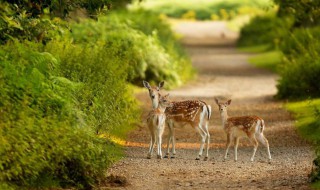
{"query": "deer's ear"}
pixel 228 102
pixel 216 100
pixel 167 96
pixel 146 84
pixel 161 85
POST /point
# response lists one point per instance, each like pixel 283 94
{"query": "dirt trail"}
pixel 223 73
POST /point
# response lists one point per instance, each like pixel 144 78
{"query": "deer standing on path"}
pixel 195 112
pixel 156 123
pixel 236 127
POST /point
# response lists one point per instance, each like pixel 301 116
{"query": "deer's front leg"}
pixel 228 146
pixel 152 142
pixel 159 141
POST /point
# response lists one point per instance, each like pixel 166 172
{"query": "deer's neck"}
pixel 155 103
pixel 162 108
pixel 224 118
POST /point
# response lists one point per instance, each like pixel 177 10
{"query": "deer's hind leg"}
pixel 263 140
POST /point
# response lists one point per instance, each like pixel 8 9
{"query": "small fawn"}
pixel 156 124
pixel 194 112
pixel 236 127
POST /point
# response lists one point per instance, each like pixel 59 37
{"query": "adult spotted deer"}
pixel 236 127
pixel 156 123
pixel 195 112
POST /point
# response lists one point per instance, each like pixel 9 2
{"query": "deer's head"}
pixel 164 101
pixel 154 92
pixel 222 106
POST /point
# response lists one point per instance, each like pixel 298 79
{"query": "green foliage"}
pixel 164 37
pixel 300 73
pixel 62 8
pixel 264 30
pixel 101 71
pixel 30 20
pixel 268 60
pixel 16 23
pixel 306 13
pixel 142 53
pixel 52 104
pixel 204 9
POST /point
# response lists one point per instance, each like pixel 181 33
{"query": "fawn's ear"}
pixel 160 85
pixel 216 100
pixel 146 84
pixel 228 102
pixel 167 96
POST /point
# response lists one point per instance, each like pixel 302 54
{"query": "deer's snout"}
pixel 153 96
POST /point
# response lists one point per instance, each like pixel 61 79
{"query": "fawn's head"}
pixel 164 101
pixel 153 92
pixel 222 106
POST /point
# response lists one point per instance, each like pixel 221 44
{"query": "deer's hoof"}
pixel 205 158
pixel 159 157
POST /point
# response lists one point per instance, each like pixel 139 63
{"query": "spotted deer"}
pixel 195 112
pixel 156 124
pixel 243 126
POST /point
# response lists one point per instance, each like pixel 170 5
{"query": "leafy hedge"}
pixel 300 73
pixel 48 121
pixel 44 130
pixel 146 53
pixel 267 29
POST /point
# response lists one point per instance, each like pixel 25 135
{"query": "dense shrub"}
pixel 50 110
pixel 263 30
pixel 102 72
pixel 305 13
pixel 142 53
pixel 300 73
pixel 161 30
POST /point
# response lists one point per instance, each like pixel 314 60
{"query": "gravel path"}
pixel 223 73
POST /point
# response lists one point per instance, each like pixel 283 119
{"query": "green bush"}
pixel 142 53
pixel 102 72
pixel 263 30
pixel 300 73
pixel 51 107
pixel 163 34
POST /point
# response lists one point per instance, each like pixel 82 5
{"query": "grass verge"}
pixel 265 58
pixel 307 115
pixel 268 60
